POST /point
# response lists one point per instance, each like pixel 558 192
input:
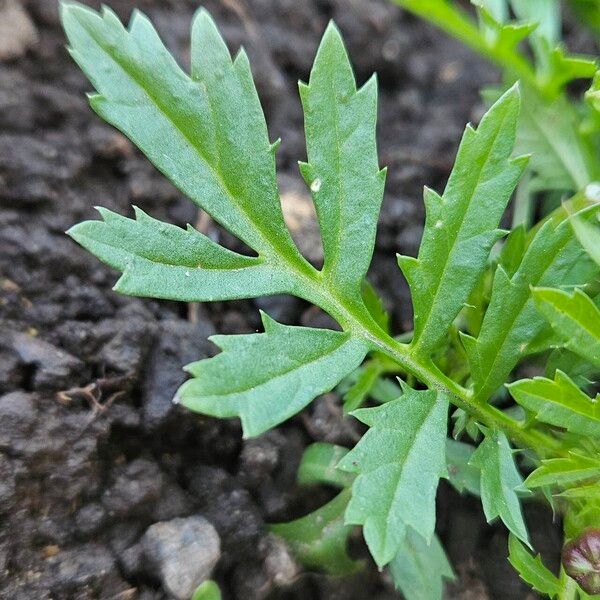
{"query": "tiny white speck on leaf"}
pixel 439 224
pixel 315 186
pixel 187 273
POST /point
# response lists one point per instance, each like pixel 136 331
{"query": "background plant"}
pixel 478 313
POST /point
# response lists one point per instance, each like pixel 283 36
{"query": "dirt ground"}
pixel 95 461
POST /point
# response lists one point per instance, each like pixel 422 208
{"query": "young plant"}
pixel 523 38
pixel 207 133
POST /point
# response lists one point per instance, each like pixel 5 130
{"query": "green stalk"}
pixel 460 25
pixel 357 320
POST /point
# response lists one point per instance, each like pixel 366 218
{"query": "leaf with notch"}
pixel 559 402
pixel 342 169
pixel 500 480
pixel 319 539
pixel 575 318
pixel 419 569
pixel 531 569
pixel 461 225
pixel 160 260
pixel 553 258
pixel 400 458
pixel 206 132
pixel 564 472
pixel 266 378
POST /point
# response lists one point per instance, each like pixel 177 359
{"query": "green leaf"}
pixel 208 590
pixel 463 476
pixel 206 132
pixel 319 539
pixel 564 472
pixel 511 322
pixel 588 234
pixel 544 13
pixel 342 170
pixel 579 370
pixel 266 378
pixel 400 458
pixel 500 480
pixel 461 226
pixel 360 389
pixel 549 130
pixel 531 569
pixel 318 465
pixel 575 318
pixel 419 569
pixel 375 306
pixel 584 492
pixel 559 402
pixel 160 260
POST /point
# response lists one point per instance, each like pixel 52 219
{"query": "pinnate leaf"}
pixel 565 471
pixel 266 378
pixel 500 480
pixel 462 225
pixel 575 318
pixel 400 458
pixel 531 569
pixel 206 132
pixel 553 258
pixel 160 260
pixel 420 568
pixel 342 169
pixel 559 402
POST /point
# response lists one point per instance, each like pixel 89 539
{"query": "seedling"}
pixel 479 314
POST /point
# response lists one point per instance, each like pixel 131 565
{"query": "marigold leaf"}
pixel 266 378
pixel 500 480
pixel 563 472
pixel 531 569
pixel 342 169
pixel 420 568
pixel 559 402
pixel 575 318
pixel 461 225
pixel 553 258
pixel 400 458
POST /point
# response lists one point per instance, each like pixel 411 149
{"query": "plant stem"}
pixel 357 319
pixel 461 26
pixel 569 587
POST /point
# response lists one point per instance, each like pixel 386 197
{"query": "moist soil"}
pixel 92 451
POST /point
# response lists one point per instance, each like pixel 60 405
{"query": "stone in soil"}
pixel 183 552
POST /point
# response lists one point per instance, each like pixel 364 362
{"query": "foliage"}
pixel 479 314
pixel 208 590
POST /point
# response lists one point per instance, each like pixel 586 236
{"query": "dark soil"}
pixel 92 452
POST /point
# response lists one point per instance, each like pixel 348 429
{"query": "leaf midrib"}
pixel 419 343
pixel 154 101
pixel 513 318
pixel 281 374
pixel 577 409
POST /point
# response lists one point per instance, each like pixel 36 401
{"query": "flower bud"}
pixel 581 560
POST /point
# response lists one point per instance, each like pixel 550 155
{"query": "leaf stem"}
pixel 356 319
